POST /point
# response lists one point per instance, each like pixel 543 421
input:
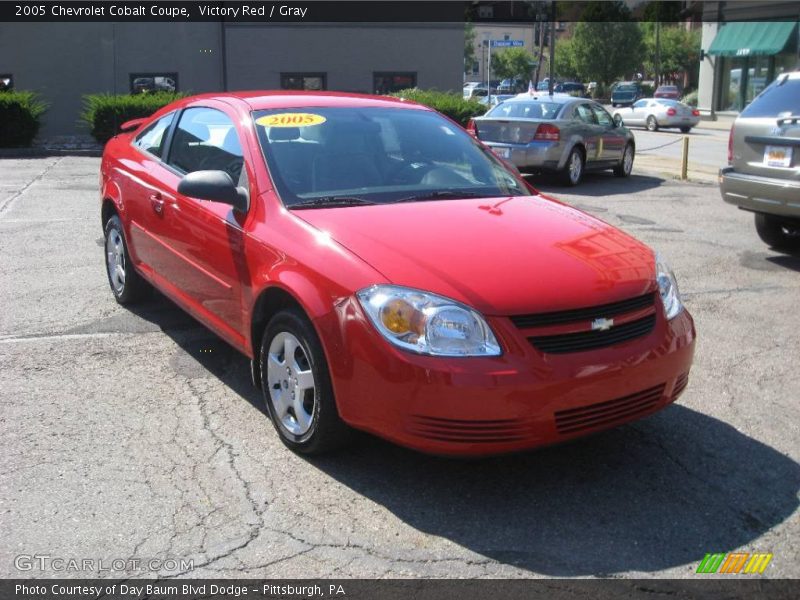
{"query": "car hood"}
pixel 500 255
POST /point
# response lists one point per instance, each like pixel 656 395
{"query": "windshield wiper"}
pixel 442 194
pixel 332 202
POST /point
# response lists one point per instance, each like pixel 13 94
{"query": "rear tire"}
pixel 297 388
pixel 652 124
pixel 625 166
pixel 572 172
pixel 782 234
pixel 126 284
pixel 685 129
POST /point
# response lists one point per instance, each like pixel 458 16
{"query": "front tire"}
pixel 778 233
pixel 625 166
pixel 573 171
pixel 126 284
pixel 297 387
pixel 652 124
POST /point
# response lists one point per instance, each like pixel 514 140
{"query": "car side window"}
pixel 603 118
pixel 584 113
pixel 151 139
pixel 206 140
pixel 640 104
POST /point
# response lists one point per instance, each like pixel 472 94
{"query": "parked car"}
pixel 625 94
pixel 670 92
pixel 495 99
pixel 572 88
pixel 556 133
pixel 763 172
pixel 383 270
pixel 512 86
pixel 468 87
pixel 658 113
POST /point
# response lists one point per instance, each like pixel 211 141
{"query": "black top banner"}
pixel 382 11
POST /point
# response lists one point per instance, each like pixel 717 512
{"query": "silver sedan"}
pixel 557 133
pixel 658 113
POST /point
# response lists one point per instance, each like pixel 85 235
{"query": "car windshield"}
pixel 525 110
pixel 626 88
pixel 667 88
pixel 350 156
pixel 667 102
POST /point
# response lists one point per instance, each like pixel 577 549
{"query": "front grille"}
pixel 469 431
pixel 680 385
pixel 608 413
pixel 592 340
pixel 584 314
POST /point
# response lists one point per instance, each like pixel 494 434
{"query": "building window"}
pixel 6 82
pixel 386 83
pixel 143 83
pixel 304 81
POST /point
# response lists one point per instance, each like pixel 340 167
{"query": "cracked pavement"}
pixel 136 433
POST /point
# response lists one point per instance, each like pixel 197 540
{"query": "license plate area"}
pixel 502 152
pixel 778 156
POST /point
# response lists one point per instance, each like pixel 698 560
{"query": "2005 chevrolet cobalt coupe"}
pixel 385 271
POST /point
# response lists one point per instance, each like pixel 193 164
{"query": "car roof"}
pixel 539 97
pixel 263 99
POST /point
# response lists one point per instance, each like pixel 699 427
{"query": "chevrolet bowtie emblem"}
pixel 602 324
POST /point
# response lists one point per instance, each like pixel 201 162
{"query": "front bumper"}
pixel 520 400
pixel 760 194
pixel 543 155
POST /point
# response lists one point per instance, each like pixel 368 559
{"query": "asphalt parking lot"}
pixel 135 433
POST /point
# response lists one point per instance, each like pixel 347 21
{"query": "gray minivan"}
pixel 763 172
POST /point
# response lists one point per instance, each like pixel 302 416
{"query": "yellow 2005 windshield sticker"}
pixel 291 120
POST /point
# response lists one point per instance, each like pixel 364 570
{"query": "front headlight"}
pixel 427 323
pixel 668 288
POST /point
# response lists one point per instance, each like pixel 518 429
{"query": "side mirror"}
pixel 216 186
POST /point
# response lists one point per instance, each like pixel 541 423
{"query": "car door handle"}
pixel 157 202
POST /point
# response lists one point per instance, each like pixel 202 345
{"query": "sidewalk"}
pixel 671 168
pixel 723 123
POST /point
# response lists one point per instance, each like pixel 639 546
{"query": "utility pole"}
pixel 658 53
pixel 551 80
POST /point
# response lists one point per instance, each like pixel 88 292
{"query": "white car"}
pixel 657 113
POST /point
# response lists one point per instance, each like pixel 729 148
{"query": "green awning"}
pixel 754 38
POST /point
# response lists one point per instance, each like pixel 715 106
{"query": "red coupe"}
pixel 385 271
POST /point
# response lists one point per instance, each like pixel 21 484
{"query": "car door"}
pixel 613 139
pixel 205 238
pixel 589 131
pixel 144 195
pixel 637 113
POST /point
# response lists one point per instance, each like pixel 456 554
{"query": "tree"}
pixel 679 49
pixel 469 47
pixel 606 45
pixel 512 62
pixel 565 60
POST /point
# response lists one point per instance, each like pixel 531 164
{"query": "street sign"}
pixel 506 43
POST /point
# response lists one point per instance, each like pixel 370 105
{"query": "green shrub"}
pixel 647 90
pixel 20 118
pixel 104 113
pixel 452 105
pixel 690 99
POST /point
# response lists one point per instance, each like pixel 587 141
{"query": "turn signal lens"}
pixel 398 316
pixel 547 132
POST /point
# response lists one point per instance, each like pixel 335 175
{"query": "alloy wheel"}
pixel 291 384
pixel 575 167
pixel 115 260
pixel 627 160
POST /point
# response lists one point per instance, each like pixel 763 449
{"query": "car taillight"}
pixel 671 112
pixel 472 129
pixel 547 132
pixel 695 113
pixel 730 147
